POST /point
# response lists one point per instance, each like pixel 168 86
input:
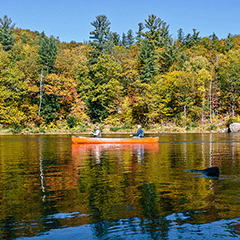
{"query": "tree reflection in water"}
pixel 109 200
pixel 119 190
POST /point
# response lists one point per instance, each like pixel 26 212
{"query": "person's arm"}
pixel 138 132
pixel 97 132
pixel 141 134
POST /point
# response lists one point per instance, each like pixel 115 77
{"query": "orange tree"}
pixel 63 91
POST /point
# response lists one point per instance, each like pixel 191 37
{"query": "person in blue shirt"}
pixel 97 133
pixel 140 132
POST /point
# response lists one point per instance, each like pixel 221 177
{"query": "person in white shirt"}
pixel 97 133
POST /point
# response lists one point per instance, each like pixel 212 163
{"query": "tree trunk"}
pixel 185 111
pixel 233 112
pixel 41 93
pixel 210 99
pixel 203 113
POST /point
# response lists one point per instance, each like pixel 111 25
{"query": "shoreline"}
pixel 204 128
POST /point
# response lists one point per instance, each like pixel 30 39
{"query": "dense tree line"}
pixel 148 77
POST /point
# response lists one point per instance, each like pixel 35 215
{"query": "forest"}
pixel 145 77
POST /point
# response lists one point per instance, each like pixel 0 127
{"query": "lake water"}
pixel 53 189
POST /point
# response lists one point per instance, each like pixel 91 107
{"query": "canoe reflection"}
pixel 97 150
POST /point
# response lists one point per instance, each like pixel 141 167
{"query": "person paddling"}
pixel 97 133
pixel 140 132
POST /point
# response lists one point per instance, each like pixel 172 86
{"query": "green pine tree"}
pixel 192 40
pixel 6 33
pixel 147 62
pixel 48 53
pixel 155 36
pixel 124 40
pixel 180 35
pixel 100 38
pixel 130 38
pixel 157 31
pixel 115 38
pixel 139 32
pixel 229 42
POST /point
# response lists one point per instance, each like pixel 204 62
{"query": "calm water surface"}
pixel 53 189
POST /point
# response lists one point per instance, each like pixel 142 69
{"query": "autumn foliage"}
pixel 150 78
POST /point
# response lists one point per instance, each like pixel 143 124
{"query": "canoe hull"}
pixel 76 139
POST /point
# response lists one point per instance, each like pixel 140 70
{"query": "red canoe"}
pixel 76 139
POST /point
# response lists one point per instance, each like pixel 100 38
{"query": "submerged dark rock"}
pixel 210 172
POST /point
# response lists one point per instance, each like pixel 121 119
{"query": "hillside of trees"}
pixel 145 77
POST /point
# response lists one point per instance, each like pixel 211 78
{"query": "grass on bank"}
pixel 217 126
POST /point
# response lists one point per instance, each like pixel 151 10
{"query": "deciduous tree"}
pixel 228 70
pixel 103 91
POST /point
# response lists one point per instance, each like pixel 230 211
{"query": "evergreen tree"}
pixel 192 40
pixel 167 56
pixel 180 35
pixel 182 59
pixel 213 37
pixel 115 38
pixel 153 26
pixel 165 38
pixel 195 36
pixel 130 38
pixel 147 62
pixel 124 40
pixel 156 36
pixel 100 38
pixel 6 30
pixel 229 42
pixel 157 33
pixel 140 32
pixel 47 53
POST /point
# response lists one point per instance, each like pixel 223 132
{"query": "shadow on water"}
pixel 51 188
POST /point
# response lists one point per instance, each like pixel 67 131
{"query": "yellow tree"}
pixel 127 60
pixel 203 84
pixel 199 68
pixel 172 96
pixel 69 60
pixel 17 85
pixel 228 73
